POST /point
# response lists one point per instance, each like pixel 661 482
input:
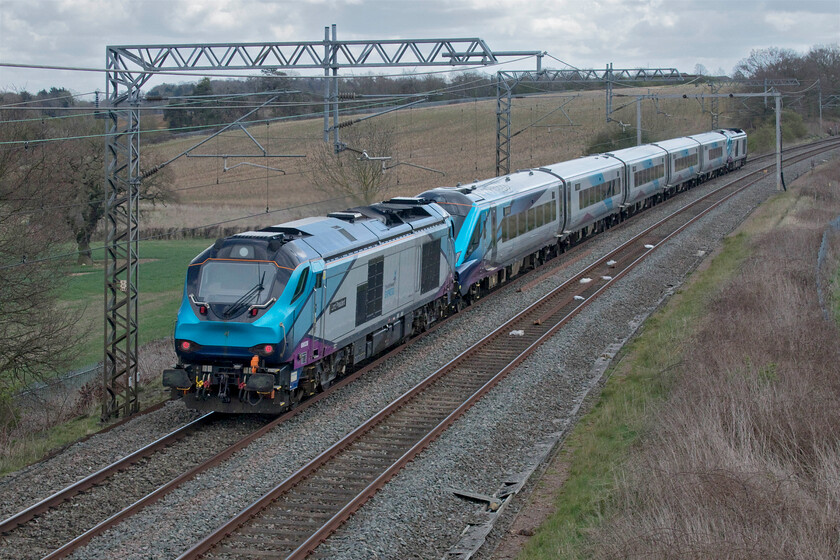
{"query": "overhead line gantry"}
pixel 506 81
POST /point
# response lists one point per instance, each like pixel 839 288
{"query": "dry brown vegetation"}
pixel 44 421
pixel 458 140
pixel 743 460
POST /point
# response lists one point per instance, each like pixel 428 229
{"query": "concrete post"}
pixel 638 121
pixel 778 97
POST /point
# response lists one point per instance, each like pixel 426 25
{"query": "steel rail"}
pixel 336 449
pixel 102 474
pixel 220 457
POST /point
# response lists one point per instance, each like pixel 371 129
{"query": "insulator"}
pixel 151 171
pixel 347 96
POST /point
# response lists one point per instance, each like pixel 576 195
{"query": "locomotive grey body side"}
pixel 346 287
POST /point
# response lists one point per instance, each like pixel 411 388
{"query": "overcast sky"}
pixel 583 33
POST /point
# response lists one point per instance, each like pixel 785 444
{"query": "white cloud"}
pixel 585 33
pixel 789 21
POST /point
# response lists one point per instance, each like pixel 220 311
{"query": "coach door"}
pixel 493 237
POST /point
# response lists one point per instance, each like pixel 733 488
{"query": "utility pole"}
pixel 608 87
pixel 638 121
pixel 819 89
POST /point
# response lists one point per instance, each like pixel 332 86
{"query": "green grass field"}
pixel 162 271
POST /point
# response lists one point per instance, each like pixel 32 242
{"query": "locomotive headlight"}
pixel 263 349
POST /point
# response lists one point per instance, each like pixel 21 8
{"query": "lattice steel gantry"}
pixel 506 81
pixel 130 67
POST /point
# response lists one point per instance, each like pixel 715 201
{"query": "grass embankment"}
pixel 163 266
pixel 715 436
pixel 636 386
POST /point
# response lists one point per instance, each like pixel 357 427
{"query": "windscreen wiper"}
pixel 240 304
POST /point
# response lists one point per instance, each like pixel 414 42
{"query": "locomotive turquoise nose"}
pixel 228 340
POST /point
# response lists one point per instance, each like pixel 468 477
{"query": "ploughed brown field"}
pixel 458 140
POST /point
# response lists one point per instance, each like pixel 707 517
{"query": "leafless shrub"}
pixel 358 172
pixel 39 411
pixel 154 358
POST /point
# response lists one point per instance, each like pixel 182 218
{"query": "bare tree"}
pixel 80 178
pixel 357 172
pixel 37 336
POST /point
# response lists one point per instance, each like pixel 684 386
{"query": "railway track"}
pixel 411 423
pixel 297 515
pixel 49 523
pixel 100 476
pixel 164 488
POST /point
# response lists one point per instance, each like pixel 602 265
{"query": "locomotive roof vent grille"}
pixel 345 233
pixel 262 234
